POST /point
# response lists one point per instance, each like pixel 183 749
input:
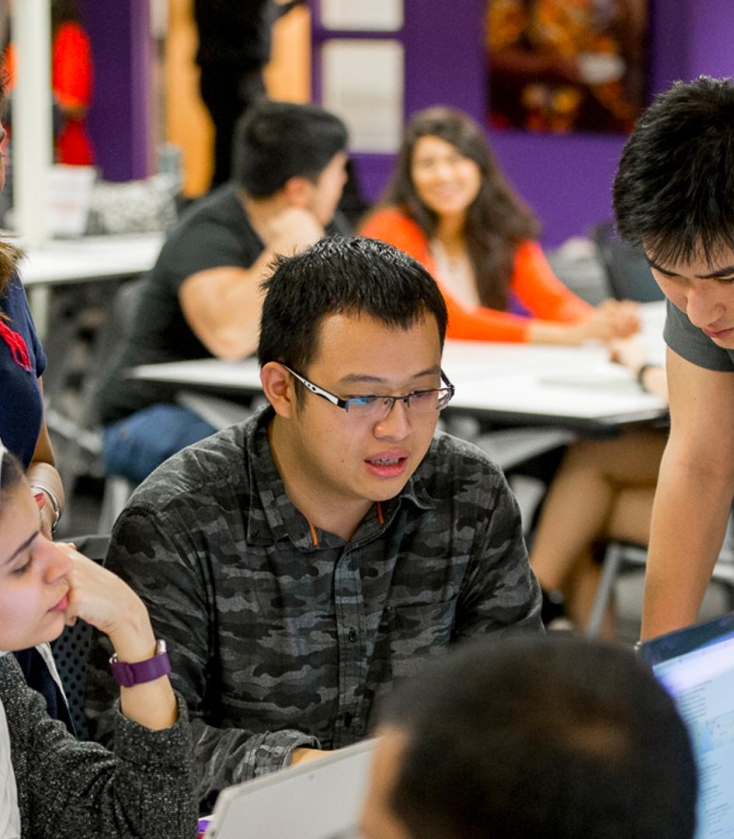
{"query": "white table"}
pixel 575 388
pixel 89 258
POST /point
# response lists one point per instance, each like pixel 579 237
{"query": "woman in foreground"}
pixel 50 784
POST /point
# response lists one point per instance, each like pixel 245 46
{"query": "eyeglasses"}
pixel 376 408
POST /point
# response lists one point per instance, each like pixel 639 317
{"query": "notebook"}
pixel 696 666
pixel 318 800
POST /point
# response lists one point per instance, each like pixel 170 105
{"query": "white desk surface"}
pixel 90 258
pixel 577 387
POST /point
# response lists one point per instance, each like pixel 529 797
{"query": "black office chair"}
pixel 71 648
pixel 626 268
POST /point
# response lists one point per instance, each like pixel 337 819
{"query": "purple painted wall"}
pixel 119 119
pixel 566 179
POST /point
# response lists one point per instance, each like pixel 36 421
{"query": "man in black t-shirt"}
pixel 203 297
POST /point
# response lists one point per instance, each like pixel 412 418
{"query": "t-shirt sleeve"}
pixel 689 342
pixel 212 245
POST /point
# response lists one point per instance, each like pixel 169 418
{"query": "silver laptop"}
pixel 318 800
pixel 696 666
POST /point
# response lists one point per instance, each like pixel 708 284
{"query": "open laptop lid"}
pixel 696 666
pixel 318 800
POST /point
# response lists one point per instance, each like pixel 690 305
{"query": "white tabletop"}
pixel 576 387
pixel 90 258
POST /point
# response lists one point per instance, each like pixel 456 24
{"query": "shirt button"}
pixel 352 635
pixel 348 720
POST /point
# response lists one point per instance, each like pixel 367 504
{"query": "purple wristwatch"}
pixel 128 675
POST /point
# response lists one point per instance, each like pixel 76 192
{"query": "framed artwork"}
pixel 566 65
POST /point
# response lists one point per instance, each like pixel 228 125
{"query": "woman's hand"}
pixel 106 602
pixel 611 319
pixel 629 352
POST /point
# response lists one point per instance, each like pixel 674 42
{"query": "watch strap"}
pixel 127 675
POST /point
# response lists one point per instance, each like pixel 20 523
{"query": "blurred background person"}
pixel 72 76
pixel 234 47
pixel 449 206
pixel 603 491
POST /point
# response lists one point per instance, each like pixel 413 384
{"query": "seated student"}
pixel 301 562
pixel 203 297
pixel 603 491
pixel 450 208
pixel 528 739
pixel 52 786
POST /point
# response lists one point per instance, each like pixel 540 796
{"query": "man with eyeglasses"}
pixel 304 561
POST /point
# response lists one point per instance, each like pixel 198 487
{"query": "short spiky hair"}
pixel 674 190
pixel 276 141
pixel 342 275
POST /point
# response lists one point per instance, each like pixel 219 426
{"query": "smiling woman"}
pixel 449 206
pixel 46 776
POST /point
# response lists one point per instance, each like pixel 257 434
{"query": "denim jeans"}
pixel 134 446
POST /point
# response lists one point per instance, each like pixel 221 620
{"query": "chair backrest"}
pixel 71 648
pixel 626 268
pixel 112 339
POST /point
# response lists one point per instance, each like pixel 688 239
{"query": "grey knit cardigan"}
pixel 70 789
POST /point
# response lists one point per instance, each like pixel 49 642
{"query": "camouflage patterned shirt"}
pixel 277 642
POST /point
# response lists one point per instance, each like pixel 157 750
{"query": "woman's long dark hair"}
pixel 496 222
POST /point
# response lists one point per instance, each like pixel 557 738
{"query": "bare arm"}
pixel 222 305
pixel 693 496
pixel 610 320
pixel 42 475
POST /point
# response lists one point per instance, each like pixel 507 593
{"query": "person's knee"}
pixel 136 445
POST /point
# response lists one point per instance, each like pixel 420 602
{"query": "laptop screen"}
pixel 696 666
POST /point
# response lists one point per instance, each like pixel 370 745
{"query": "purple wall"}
pixel 566 179
pixel 119 119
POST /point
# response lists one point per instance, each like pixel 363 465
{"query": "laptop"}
pixel 317 800
pixel 696 666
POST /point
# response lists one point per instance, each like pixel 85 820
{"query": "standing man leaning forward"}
pixel 303 561
pixel 674 195
pixel 203 297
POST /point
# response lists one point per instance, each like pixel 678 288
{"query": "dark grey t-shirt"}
pixel 690 343
pixel 214 234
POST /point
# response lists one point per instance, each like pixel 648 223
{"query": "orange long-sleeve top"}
pixel 533 283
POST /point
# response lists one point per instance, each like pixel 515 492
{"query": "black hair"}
pixel 496 222
pixel 342 275
pixel 674 186
pixel 63 11
pixel 541 738
pixel 276 141
pixel 11 474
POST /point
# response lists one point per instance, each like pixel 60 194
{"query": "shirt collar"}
pixel 271 516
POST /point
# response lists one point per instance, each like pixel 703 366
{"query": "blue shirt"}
pixel 22 361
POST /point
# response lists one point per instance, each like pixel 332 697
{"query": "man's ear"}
pixel 279 388
pixel 298 191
